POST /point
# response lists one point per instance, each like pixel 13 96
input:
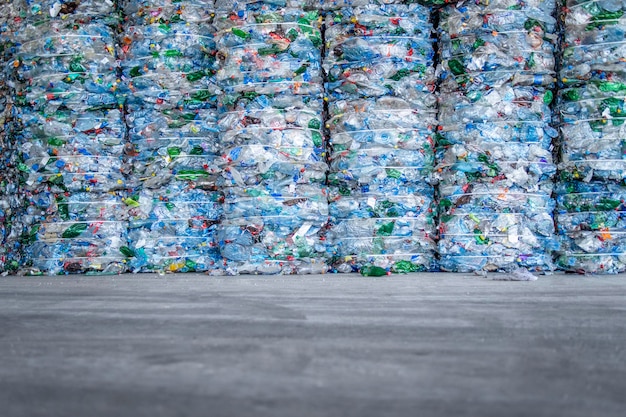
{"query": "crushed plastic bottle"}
pixel 272 164
pixel 373 271
pixel 590 194
pixel 495 169
pixel 382 116
pixel 168 67
pixel 67 121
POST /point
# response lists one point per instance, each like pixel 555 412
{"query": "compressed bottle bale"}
pixel 591 100
pixel 274 231
pixel 79 232
pixel 495 169
pixel 392 229
pixel 593 42
pixel 592 222
pixel 273 150
pixel 338 4
pixel 172 231
pixel 377 51
pixel 271 139
pixel 484 230
pixel 590 192
pixel 148 12
pixel 262 45
pixel 38 9
pixel 9 200
pixel 69 127
pixel 168 69
pixel 382 116
pixel 169 74
pixel 592 131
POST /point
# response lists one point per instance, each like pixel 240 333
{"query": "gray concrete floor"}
pixel 326 345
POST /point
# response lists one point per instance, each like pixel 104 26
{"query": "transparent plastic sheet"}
pixel 273 153
pixel 591 221
pixel 168 67
pixel 495 168
pixel 382 118
pixel 67 120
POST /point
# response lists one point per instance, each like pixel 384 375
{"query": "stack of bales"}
pixel 591 215
pixel 9 180
pixel 168 65
pixel 273 151
pixel 382 116
pixel 68 124
pixel 495 164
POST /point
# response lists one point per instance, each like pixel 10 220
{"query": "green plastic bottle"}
pixel 373 271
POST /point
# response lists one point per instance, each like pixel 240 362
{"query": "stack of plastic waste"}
pixel 495 166
pixel 336 4
pixel 9 197
pixel 382 117
pixel 591 105
pixel 68 125
pixel 168 65
pixel 272 145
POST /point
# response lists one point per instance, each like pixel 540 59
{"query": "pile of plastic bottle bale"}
pixel 9 200
pixel 382 116
pixel 272 146
pixel 68 126
pixel 591 217
pixel 294 137
pixel 495 165
pixel 168 64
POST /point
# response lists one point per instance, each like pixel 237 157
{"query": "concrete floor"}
pixel 327 345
